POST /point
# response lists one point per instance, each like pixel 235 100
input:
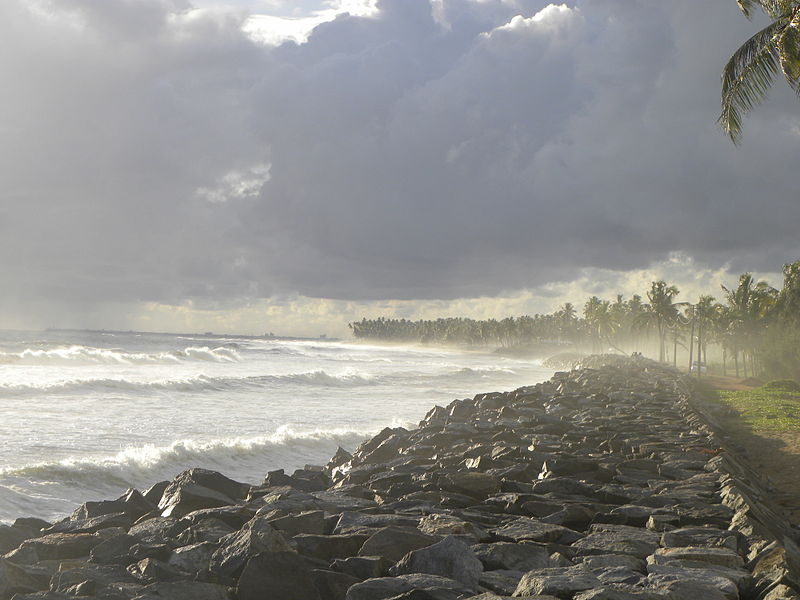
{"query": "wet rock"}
pixel 283 575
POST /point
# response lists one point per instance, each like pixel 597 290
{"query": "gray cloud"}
pixel 437 150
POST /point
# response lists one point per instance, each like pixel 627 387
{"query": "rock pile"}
pixel 605 483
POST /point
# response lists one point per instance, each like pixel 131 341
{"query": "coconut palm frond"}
pixel 788 44
pixel 773 8
pixel 748 75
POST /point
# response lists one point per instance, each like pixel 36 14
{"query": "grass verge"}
pixel 766 408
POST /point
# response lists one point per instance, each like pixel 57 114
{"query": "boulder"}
pixel 283 575
pixel 193 558
pixel 442 525
pixel 449 558
pixel 392 587
pixel 508 556
pixel 14 579
pixel 393 543
pixel 199 488
pixel 527 528
pixel 184 590
pixel 62 545
pixel 618 539
pixel 11 538
pixel 237 548
pixel 332 585
pixel 362 567
pixel 311 521
pixel 563 582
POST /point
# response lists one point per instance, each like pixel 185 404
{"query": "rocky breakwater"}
pixel 605 483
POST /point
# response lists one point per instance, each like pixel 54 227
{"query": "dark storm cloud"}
pixel 433 151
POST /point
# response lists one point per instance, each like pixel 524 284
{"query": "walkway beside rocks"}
pixel 610 482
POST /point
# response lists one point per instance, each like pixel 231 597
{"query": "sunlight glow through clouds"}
pixel 274 29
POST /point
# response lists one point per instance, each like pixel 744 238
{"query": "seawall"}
pixel 609 482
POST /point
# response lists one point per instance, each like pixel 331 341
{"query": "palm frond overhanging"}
pixel 751 70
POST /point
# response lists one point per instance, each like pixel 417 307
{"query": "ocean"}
pixel 86 415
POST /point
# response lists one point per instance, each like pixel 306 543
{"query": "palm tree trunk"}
pixel 691 343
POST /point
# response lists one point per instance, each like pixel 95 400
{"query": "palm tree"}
pixel 749 73
pixel 749 303
pixel 663 311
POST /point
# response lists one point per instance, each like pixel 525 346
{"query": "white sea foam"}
pixel 71 355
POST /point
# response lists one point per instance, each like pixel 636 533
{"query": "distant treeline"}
pixel 753 330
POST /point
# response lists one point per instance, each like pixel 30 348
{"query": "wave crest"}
pixel 87 355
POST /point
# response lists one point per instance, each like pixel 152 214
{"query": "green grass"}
pixel 768 408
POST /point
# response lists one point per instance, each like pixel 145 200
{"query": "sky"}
pixel 265 165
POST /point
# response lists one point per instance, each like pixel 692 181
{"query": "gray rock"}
pixel 283 575
pixel 311 521
pixel 604 561
pixel 235 549
pixel 184 590
pixel 389 587
pixel 623 593
pixel 442 525
pixel 193 558
pixel 329 547
pixel 393 543
pixel 332 585
pixel 618 539
pixel 449 558
pixel 62 545
pixel 151 569
pixel 701 536
pixel 158 530
pixel 527 528
pixel 509 556
pixel 714 556
pixel 100 576
pixel 356 522
pixel 502 582
pixel 561 582
pixel 362 567
pixel 11 538
pixel 14 579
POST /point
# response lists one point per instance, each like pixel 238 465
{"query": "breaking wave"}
pixel 58 486
pixel 87 355
pixel 199 383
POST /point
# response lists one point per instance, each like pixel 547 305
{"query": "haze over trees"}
pixel 748 329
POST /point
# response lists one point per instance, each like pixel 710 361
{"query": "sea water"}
pixel 86 415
